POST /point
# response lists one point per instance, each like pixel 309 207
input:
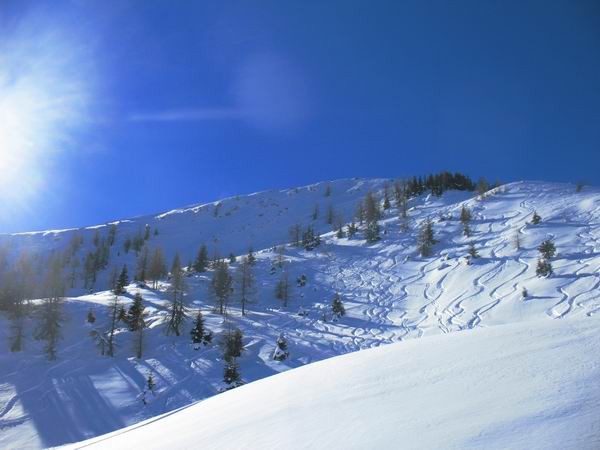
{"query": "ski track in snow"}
pixel 390 294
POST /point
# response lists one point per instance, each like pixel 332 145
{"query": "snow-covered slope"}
pixel 390 294
pixel 531 385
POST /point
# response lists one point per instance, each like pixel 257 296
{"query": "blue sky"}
pixel 132 107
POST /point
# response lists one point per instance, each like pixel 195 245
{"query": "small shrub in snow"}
pixel 281 352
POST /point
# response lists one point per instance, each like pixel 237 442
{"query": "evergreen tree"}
pixel 544 268
pixel 147 232
pixel 222 285
pixel 122 315
pixel 535 219
pixel 127 245
pixel 372 232
pixel 386 199
pixel 328 190
pixel 91 317
pixel 198 333
pixel 201 262
pixel 232 258
pixel 339 234
pixel 231 373
pixel 465 219
pixel 122 282
pixel 426 239
pixel 473 253
pixel 134 317
pixel 547 249
pixel 310 240
pixel 351 230
pixel 337 307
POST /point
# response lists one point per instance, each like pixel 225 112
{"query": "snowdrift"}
pixel 528 385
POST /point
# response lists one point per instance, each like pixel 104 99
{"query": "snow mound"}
pixel 528 385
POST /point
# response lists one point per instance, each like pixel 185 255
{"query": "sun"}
pixel 43 100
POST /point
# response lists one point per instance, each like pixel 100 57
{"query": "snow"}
pixel 442 316
pixel 495 388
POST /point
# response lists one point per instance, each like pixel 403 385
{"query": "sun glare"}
pixel 42 100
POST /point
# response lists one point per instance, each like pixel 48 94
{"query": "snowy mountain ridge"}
pixel 391 295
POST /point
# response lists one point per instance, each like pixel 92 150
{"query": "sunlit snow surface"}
pixel 390 294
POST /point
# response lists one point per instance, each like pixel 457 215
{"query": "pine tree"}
pixel 310 240
pixel 544 268
pixel 547 249
pixel 91 317
pixel 328 190
pixel 198 332
pixel 201 262
pixel 231 373
pixel 122 282
pixel 222 285
pixel 337 307
pixel 147 232
pixel 535 219
pixel 134 317
pixel 127 245
pixel 140 325
pixel 426 239
pixel 465 219
pixel 231 258
pixel 386 200
pixel 315 213
pixel 351 230
pixel 473 251
pixel 372 232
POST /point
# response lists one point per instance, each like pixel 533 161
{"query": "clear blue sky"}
pixel 142 106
